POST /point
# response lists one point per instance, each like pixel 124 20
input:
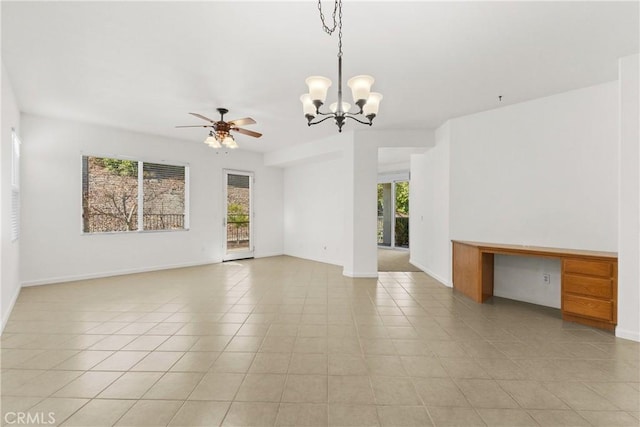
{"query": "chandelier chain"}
pixel 337 8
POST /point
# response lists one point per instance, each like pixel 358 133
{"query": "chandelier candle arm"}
pixel 367 102
pixel 345 107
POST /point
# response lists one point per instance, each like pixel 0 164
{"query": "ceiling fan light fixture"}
pixel 220 135
pixel 229 142
pixel 212 141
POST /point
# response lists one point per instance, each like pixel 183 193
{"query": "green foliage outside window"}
pixel 121 167
pixel 401 212
pixel 402 197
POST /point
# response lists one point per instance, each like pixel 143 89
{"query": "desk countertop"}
pixel 499 248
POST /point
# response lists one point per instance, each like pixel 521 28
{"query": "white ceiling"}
pixel 396 158
pixel 144 65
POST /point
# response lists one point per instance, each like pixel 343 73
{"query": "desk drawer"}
pixel 588 286
pixel 589 307
pixel 588 267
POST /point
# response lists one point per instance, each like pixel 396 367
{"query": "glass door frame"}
pixel 393 179
pixel 235 255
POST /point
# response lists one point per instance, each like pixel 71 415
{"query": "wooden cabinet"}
pixel 589 278
pixel 589 291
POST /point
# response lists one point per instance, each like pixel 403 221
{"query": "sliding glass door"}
pixel 393 214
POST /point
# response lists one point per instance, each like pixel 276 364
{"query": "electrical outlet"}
pixel 546 278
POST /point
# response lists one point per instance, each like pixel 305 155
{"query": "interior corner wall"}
pixel 629 203
pixel 314 210
pixel 429 209
pixel 330 196
pixel 540 173
pixel 54 249
pixel 9 250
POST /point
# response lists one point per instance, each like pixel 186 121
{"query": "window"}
pixel 163 189
pixel 15 186
pixel 129 195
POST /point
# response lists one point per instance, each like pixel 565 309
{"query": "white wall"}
pixel 349 159
pixel 541 173
pixel 521 278
pixel 629 229
pixel 347 164
pixel 429 209
pixel 54 249
pixel 9 251
pixel 314 210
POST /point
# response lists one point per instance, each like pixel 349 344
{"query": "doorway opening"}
pixel 393 214
pixel 237 222
pixel 393 225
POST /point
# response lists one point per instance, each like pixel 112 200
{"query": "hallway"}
pixel 395 260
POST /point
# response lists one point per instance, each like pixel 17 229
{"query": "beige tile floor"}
pixel 283 341
pixel 395 260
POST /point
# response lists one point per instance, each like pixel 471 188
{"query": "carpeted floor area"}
pixel 394 260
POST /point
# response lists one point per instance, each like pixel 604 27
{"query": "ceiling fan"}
pixel 221 133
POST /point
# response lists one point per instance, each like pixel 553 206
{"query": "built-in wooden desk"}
pixel 589 287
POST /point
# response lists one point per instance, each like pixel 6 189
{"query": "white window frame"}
pixel 15 185
pixel 141 161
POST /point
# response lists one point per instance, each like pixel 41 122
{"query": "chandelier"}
pixel 367 102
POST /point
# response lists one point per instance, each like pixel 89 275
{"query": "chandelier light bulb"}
pixel 307 105
pixel 318 87
pixel 360 87
pixel 373 104
pixel 345 107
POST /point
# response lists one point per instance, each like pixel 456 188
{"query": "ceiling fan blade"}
pixel 247 132
pixel 195 126
pixel 242 122
pixel 200 116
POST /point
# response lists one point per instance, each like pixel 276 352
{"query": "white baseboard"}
pixel 269 254
pixel 103 274
pixel 431 273
pixel 360 275
pixel 628 334
pixel 310 258
pixel 5 316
